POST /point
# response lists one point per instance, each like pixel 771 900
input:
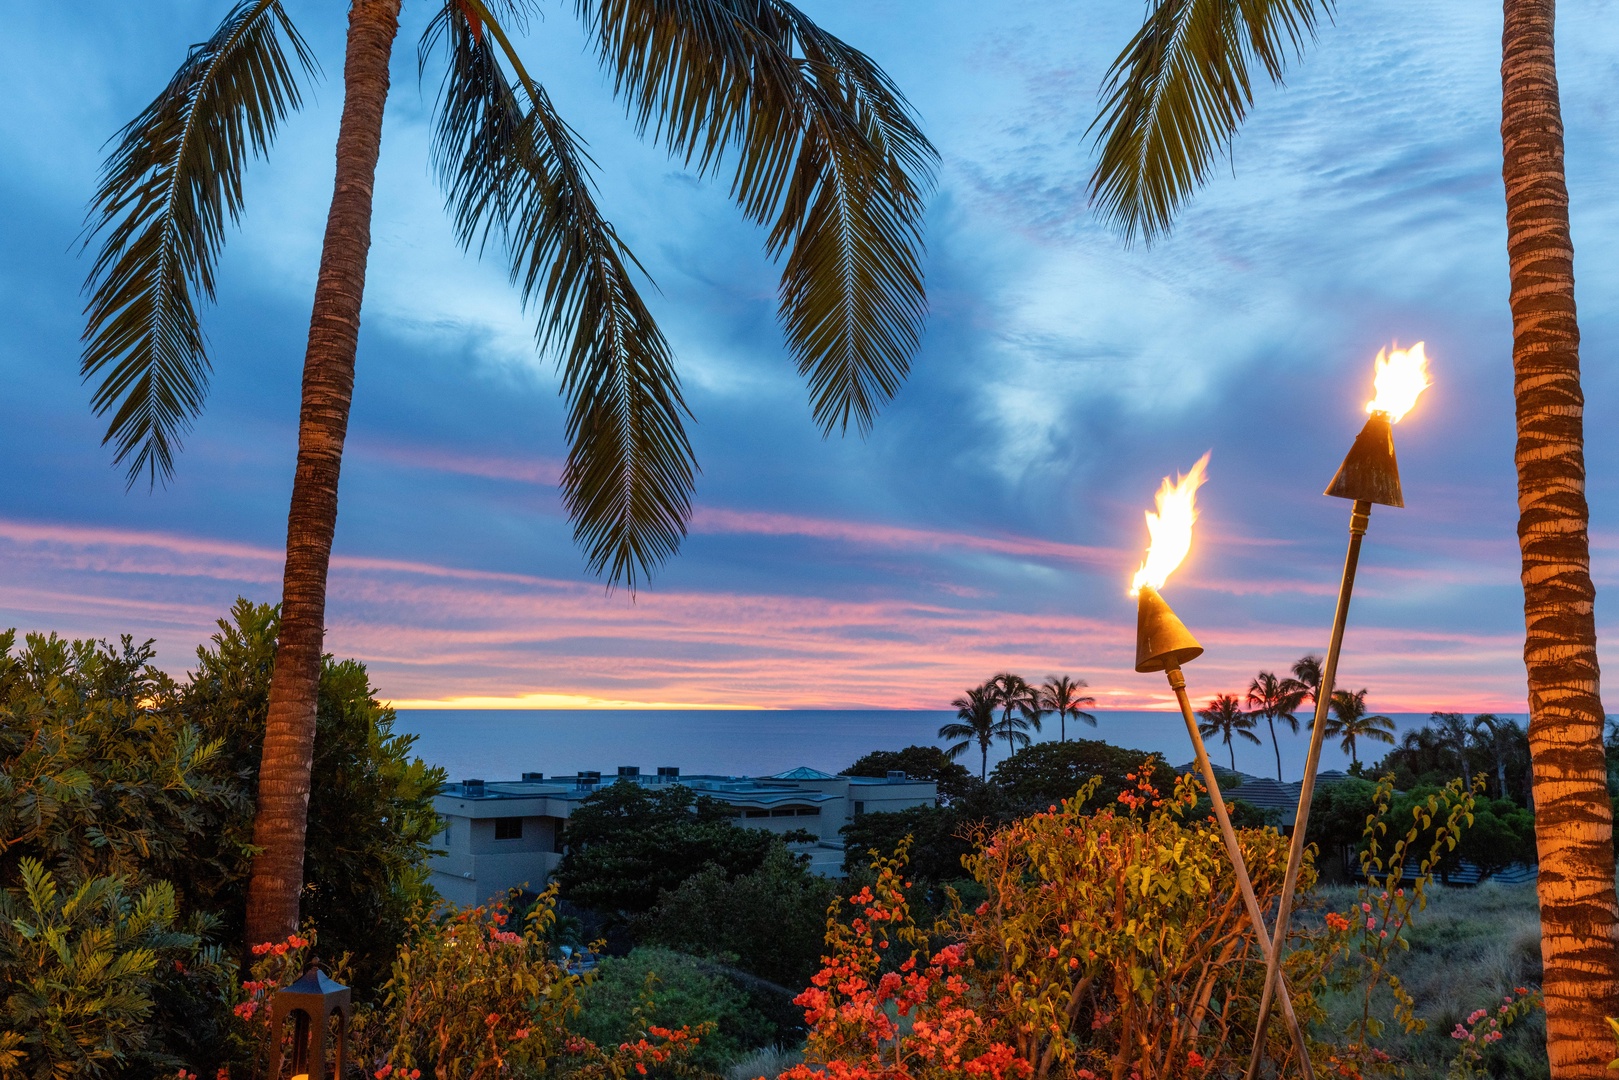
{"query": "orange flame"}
pixel 1169 530
pixel 1399 379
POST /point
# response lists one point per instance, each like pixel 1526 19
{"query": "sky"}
pixel 991 520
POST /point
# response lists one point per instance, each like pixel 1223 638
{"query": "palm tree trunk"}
pixel 1579 916
pixel 1277 745
pixel 328 386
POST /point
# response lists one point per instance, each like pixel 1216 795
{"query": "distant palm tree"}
pixel 1013 694
pixel 1307 672
pixel 1458 736
pixel 1348 721
pixel 1275 699
pixel 975 722
pixel 1224 717
pixel 1061 695
pixel 1505 740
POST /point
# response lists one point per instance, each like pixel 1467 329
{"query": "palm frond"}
pixel 166 191
pixel 1177 94
pixel 515 173
pixel 828 156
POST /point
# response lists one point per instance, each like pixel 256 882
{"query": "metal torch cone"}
pixel 1370 474
pixel 1163 644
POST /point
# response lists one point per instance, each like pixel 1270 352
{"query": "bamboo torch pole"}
pixel 1370 474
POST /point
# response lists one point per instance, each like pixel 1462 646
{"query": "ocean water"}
pixel 503 744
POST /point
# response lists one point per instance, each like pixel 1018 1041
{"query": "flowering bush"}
pixel 474 995
pixel 1484 1027
pixel 1111 944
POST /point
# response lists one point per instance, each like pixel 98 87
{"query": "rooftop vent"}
pixel 897 775
pixel 587 779
pixel 472 788
pixel 629 770
pixel 533 777
pixel 668 772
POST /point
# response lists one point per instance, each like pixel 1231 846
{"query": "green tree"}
pixel 1348 722
pixel 940 837
pixel 1047 773
pixel 918 763
pixel 1174 99
pixel 1276 699
pixel 371 818
pixel 825 155
pixel 768 923
pixel 974 723
pixel 1224 717
pixel 629 844
pixel 1061 695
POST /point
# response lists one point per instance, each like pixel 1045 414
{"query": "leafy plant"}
pixel 81 966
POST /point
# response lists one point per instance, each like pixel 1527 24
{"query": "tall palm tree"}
pixel 1275 699
pixel 1458 736
pixel 1307 673
pixel 1061 695
pixel 1224 717
pixel 1174 100
pixel 825 155
pixel 1348 721
pixel 1014 695
pixel 975 722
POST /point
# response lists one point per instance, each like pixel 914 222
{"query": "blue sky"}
pixel 991 520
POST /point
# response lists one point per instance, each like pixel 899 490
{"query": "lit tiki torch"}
pixel 1163 644
pixel 1368 475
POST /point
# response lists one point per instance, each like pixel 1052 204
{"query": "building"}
pixel 500 835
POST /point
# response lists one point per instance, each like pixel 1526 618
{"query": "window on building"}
pixel 809 811
pixel 859 808
pixel 757 813
pixel 508 828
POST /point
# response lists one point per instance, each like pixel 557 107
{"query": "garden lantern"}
pixel 1370 474
pixel 1163 644
pixel 310 1002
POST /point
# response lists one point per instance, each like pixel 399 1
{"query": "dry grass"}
pixel 1469 949
pixel 763 1062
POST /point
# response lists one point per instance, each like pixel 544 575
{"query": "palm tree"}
pixel 1224 717
pixel 1275 699
pixel 1456 735
pixel 1505 741
pixel 975 722
pixel 1347 720
pixel 1307 673
pixel 1174 100
pixel 826 156
pixel 1061 695
pixel 1013 694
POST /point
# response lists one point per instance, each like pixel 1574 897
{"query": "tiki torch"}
pixel 1163 644
pixel 1368 475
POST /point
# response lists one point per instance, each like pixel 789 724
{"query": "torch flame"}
pixel 1400 378
pixel 1170 529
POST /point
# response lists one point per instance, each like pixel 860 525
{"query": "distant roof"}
pixel 803 772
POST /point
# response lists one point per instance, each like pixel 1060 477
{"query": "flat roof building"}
pixel 504 834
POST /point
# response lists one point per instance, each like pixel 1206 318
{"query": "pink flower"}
pixel 1459 1032
pixel 1476 1015
pixel 1371 923
pixel 1367 908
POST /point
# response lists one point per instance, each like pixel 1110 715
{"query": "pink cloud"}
pixel 430 631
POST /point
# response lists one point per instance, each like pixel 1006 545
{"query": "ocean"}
pixel 503 744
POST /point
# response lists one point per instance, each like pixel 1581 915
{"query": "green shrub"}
pixel 670 989
pixel 770 923
pixel 81 967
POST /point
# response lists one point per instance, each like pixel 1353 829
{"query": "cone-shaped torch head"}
pixel 1370 472
pixel 1162 640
